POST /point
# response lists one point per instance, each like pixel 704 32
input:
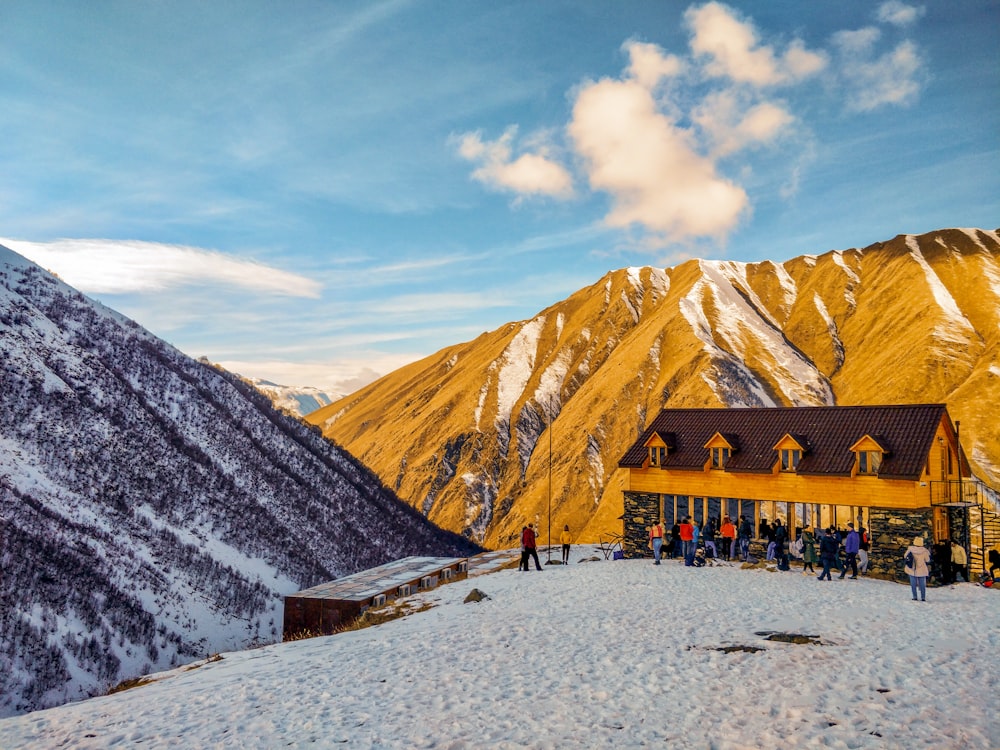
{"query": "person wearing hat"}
pixel 851 546
pixel 917 566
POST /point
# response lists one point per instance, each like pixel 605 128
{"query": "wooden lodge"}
pixel 896 470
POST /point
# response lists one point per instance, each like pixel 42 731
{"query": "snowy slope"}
pixel 152 508
pixel 597 654
pixel 914 319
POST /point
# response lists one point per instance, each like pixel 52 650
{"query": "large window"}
pixel 790 459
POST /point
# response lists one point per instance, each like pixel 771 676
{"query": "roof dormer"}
pixel 869 452
pixel 790 449
pixel 720 447
pixel 659 444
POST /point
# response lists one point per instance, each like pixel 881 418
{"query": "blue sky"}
pixel 316 192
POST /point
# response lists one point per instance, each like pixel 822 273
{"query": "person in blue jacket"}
pixel 827 554
pixel 851 546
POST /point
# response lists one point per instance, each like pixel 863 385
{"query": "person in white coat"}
pixel 917 562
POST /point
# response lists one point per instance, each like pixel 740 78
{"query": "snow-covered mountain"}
pixel 914 319
pixel 298 400
pixel 152 508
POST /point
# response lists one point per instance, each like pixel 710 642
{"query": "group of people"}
pixel 529 547
pixel 831 548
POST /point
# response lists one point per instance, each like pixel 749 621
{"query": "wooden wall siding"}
pixel 864 491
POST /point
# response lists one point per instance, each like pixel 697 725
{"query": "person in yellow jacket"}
pixel 959 563
pixel 565 539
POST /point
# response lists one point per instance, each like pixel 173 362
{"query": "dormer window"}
pixel 790 450
pixel 869 452
pixel 790 458
pixel 659 445
pixel 719 457
pixel 720 447
pixel 869 462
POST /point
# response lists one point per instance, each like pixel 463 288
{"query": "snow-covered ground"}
pixel 594 654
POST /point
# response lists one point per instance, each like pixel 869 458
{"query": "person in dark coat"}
pixel 779 535
pixel 828 547
pixel 675 543
pixel 941 562
pixel 746 533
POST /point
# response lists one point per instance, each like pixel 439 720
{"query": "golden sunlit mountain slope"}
pixel 464 434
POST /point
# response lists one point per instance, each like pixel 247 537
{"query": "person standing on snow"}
pixel 959 574
pixel 528 540
pixel 728 532
pixel 851 546
pixel 566 540
pixel 827 554
pixel 686 531
pixel 656 541
pixel 746 533
pixel 808 551
pixel 917 565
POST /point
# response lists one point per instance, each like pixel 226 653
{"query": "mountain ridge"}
pixel 153 508
pixel 461 434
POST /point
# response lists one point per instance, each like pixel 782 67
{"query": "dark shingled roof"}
pixel 827 432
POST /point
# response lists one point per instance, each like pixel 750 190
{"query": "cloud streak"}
pixel 121 267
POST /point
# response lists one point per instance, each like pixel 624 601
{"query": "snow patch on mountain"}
pixel 741 325
pixel 956 328
pixel 516 365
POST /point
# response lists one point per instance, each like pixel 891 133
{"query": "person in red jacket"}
pixel 687 536
pixel 528 546
pixel 728 533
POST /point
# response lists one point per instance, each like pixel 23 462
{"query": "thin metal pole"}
pixel 549 420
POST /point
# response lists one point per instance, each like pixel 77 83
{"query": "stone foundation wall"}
pixel 642 510
pixel 891 532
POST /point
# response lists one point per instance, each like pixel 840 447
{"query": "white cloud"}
pixel 528 174
pixel 734 52
pixel 650 165
pixel 123 266
pixel 732 124
pixel 899 14
pixel 649 65
pixel 874 81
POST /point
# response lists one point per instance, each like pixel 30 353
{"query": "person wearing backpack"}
pixel 917 565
